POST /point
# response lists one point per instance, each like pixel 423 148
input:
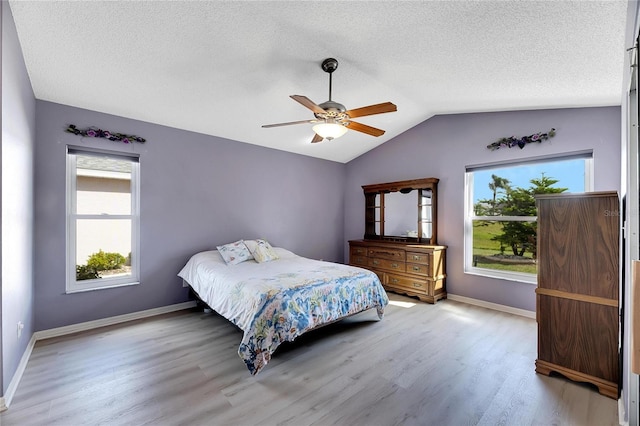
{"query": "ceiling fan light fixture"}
pixel 330 129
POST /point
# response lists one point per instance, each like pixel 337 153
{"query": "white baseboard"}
pixel 13 385
pixel 621 413
pixel 5 400
pixel 89 325
pixel 494 306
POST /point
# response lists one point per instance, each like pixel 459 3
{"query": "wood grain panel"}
pixel 580 234
pixel 579 336
pixel 358 251
pixel 418 257
pixel 577 295
pixel 359 260
pixel 418 269
pixel 407 282
pixel 387 265
pixel 386 253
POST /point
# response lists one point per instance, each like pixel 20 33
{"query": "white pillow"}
pixel 251 245
pixel 261 250
pixel 234 253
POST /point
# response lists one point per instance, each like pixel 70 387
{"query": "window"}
pixel 500 220
pixel 102 219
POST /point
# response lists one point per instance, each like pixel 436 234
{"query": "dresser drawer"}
pixel 414 268
pixel 386 253
pixel 357 251
pixel 417 257
pixel 359 260
pixel 414 284
pixel 389 265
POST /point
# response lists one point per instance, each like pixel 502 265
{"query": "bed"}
pixel 278 300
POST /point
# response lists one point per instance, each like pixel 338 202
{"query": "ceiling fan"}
pixel 332 118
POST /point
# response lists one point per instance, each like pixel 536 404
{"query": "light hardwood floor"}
pixel 444 364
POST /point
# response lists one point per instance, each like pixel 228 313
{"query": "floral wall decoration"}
pixel 520 142
pixel 93 132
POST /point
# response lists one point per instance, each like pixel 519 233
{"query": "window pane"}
pixel 507 191
pixel 103 245
pixel 103 185
pixel 509 243
pixel 505 245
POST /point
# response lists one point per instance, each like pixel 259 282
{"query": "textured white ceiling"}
pixel 224 68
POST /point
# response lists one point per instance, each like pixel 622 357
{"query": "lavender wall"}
pixel 18 138
pixel 443 145
pixel 197 192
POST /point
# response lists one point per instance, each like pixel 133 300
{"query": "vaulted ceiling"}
pixel 225 68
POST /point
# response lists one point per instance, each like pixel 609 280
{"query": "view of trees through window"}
pixel 504 211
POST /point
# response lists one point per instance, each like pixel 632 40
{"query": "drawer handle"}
pixel 394 280
pixel 394 265
pixel 375 262
pixel 416 257
pixel 416 268
pixel 419 285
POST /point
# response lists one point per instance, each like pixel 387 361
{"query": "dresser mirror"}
pixel 404 211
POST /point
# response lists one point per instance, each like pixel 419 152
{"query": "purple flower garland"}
pixel 512 141
pixel 92 132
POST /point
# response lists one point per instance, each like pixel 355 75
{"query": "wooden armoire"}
pixel 577 294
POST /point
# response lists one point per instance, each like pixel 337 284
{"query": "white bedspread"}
pixel 279 300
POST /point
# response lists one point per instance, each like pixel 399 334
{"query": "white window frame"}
pixel 73 286
pixel 470 217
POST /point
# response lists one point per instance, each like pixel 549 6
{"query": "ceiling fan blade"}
pixel 372 109
pixel 290 123
pixel 317 138
pixel 359 127
pixel 308 103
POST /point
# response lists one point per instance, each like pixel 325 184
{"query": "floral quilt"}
pixel 277 301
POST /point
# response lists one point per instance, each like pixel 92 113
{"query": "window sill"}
pixel 102 287
pixel 502 275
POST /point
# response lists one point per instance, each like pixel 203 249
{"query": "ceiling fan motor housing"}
pixel 332 110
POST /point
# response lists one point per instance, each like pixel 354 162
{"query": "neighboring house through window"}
pixel 102 219
pixel 500 219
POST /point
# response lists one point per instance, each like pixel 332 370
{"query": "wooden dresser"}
pixel 577 294
pixel 406 268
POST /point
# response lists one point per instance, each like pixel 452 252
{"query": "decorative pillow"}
pixel 251 245
pixel 261 250
pixel 234 253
